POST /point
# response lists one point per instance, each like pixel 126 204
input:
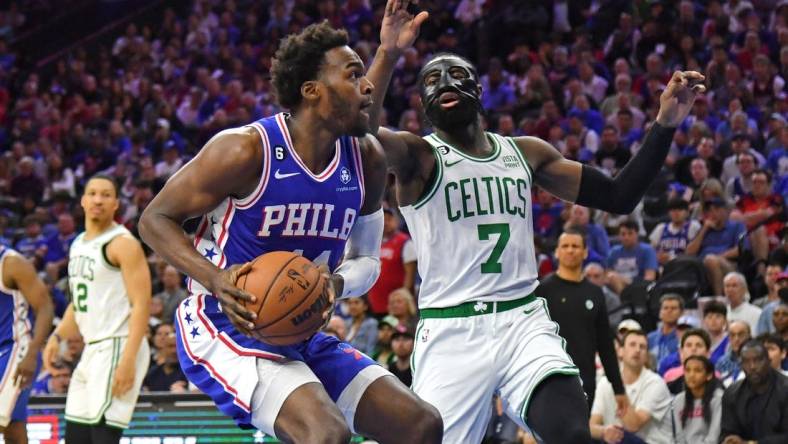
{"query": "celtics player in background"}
pixel 466 197
pixel 110 292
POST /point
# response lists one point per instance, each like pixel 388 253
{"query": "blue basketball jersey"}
pixel 291 209
pixel 16 317
pixel 675 243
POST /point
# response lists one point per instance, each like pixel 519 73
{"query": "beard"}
pixel 346 117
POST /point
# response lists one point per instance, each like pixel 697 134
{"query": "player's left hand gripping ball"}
pixel 677 99
pixel 224 288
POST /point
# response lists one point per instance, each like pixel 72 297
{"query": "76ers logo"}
pixel 344 175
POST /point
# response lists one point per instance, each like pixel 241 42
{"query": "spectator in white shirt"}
pixel 648 418
pixel 170 163
pixel 739 307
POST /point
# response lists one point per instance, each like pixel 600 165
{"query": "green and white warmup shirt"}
pixel 101 303
pixel 473 227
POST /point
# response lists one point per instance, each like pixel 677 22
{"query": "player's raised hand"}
pixel 223 287
pixel 400 28
pixel 677 99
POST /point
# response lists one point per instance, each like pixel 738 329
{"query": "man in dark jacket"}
pixel 756 408
pixel 578 306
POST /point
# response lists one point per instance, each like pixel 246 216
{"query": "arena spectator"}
pixel 166 374
pixel 715 322
pixel 775 348
pixel 402 347
pixel 632 261
pixel 765 321
pixel 756 408
pixel 54 382
pixel 739 307
pixel 670 239
pixel 648 416
pixel 362 330
pixel 665 339
pixel 382 353
pixel 172 292
pixel 729 365
pixel 717 241
pixel 598 242
pixel 402 307
pixel 397 264
pixel 694 342
pixel 596 275
pixel 697 410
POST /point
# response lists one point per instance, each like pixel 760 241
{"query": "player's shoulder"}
pixel 371 150
pixel 239 144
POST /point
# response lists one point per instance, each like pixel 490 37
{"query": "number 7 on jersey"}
pixel 493 264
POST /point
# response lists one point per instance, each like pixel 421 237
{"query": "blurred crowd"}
pixel 584 75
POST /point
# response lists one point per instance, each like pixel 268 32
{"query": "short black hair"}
pixel 757 345
pixel 672 297
pixel 299 58
pixel 699 332
pixel 577 232
pixel 772 338
pixel 715 307
pixel 629 224
pixel 111 179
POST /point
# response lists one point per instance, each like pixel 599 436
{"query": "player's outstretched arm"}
pixel 588 186
pixel 24 278
pixel 126 252
pixel 398 30
pixel 228 165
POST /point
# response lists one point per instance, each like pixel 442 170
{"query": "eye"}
pixel 356 75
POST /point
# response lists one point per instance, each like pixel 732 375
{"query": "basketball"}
pixel 290 296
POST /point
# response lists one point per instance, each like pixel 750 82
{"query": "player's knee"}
pixel 334 432
pixel 428 426
pixel 425 425
pixel 330 429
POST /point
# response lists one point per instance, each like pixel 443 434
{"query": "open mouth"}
pixel 449 100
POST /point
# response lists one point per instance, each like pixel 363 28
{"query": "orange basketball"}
pixel 290 296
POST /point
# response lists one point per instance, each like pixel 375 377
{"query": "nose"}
pixel 367 87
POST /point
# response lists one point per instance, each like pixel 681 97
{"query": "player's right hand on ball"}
pixel 331 292
pixel 223 287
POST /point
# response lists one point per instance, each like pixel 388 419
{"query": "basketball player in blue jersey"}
pixel 310 181
pixel 26 313
pixel 466 197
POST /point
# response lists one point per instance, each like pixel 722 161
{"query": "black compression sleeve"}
pixel 622 194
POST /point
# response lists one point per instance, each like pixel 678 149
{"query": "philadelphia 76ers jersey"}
pixel 291 209
pixel 16 317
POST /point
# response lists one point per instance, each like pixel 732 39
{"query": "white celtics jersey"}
pixel 473 227
pixel 101 304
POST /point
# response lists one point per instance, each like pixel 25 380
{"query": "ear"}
pixel 585 253
pixel 310 90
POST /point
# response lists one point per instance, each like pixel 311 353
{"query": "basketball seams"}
pixel 307 293
pixel 271 283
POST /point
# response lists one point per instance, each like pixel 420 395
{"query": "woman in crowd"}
pixel 362 330
pixel 698 409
